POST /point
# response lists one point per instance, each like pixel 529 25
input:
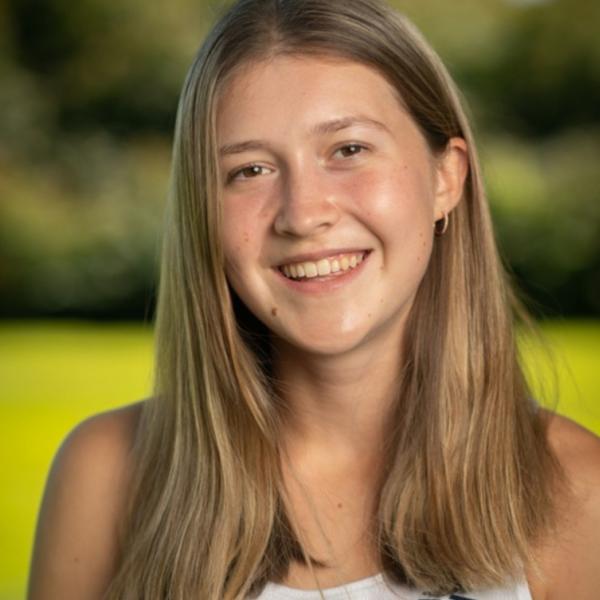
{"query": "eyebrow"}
pixel 323 128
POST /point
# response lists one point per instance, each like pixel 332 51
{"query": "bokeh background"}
pixel 88 94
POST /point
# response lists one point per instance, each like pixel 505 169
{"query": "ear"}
pixel 451 172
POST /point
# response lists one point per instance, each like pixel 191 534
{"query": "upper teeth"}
pixel 325 266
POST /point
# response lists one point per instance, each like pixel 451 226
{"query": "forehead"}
pixel 302 90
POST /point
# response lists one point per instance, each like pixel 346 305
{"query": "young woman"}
pixel 339 407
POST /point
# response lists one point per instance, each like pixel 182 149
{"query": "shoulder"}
pixel 571 441
pixel 578 451
pixel 76 538
pixel 571 559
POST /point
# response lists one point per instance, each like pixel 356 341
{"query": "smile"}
pixel 325 266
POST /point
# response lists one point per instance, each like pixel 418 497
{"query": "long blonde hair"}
pixel 470 479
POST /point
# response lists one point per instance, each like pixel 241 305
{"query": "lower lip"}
pixel 326 284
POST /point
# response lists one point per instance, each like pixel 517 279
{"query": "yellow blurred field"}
pixel 53 375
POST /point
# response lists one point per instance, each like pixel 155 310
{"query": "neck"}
pixel 339 406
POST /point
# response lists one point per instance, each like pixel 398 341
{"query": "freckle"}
pixel 274 311
pixel 369 315
pixel 339 505
pixel 380 300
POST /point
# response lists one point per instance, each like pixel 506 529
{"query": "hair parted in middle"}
pixel 469 477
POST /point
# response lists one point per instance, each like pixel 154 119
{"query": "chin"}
pixel 324 343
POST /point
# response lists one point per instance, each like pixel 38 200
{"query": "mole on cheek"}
pixel 274 311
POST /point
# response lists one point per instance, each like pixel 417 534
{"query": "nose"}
pixel 307 205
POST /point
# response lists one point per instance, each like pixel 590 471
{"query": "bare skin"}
pixel 317 176
pixel 76 541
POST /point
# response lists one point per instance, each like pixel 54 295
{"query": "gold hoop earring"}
pixel 440 226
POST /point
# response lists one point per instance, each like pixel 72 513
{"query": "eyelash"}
pixel 234 174
pixel 352 145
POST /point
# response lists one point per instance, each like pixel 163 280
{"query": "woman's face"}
pixel 322 170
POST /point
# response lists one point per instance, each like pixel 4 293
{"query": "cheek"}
pixel 397 199
pixel 236 238
pixel 397 205
pixel 240 230
pixel 244 232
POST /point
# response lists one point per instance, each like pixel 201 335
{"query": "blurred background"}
pixel 88 94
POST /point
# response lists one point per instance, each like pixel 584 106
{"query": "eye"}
pixel 247 172
pixel 349 150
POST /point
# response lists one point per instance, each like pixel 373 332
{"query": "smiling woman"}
pixel 339 404
pixel 313 208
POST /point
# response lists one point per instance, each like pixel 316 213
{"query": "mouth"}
pixel 325 268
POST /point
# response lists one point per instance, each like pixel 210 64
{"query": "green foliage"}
pixel 550 64
pixel 548 217
pixel 116 66
pixel 531 72
pixel 87 109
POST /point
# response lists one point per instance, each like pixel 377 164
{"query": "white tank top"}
pixel 375 588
